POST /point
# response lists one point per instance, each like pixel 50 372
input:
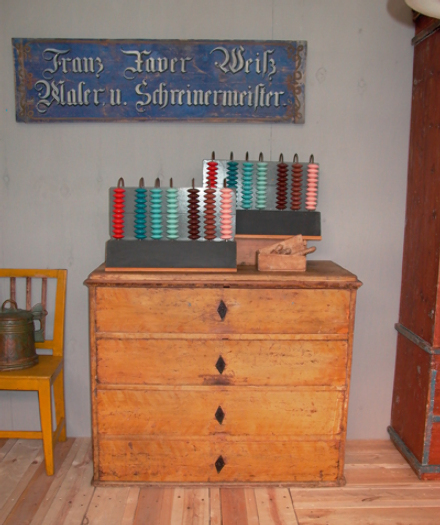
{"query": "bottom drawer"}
pixel 180 461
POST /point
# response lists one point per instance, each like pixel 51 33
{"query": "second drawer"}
pixel 221 362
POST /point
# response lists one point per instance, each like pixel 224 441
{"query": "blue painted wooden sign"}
pixel 193 80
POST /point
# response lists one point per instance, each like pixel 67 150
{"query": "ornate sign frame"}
pixel 142 80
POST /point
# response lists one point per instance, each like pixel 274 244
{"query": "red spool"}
pixel 297 178
pixel 193 214
pixel 118 210
pixel 212 172
pixel 281 184
pixel 209 215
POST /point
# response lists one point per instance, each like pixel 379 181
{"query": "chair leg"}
pixel 45 402
pixel 60 416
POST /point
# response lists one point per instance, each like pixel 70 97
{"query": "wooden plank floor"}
pixel 381 489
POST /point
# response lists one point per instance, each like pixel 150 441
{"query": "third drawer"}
pixel 220 411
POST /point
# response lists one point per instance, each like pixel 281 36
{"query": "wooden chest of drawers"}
pixel 221 378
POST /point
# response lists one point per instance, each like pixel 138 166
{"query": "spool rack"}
pixel 266 221
pixel 142 238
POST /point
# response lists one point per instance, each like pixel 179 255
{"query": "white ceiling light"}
pixel 426 7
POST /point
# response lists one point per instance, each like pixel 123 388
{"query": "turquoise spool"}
pixel 156 213
pixel 247 185
pixel 172 214
pixel 140 213
pixel 261 185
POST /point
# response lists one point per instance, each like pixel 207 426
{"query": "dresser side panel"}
pixel 93 375
pixel 353 297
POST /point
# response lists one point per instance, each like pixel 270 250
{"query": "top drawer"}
pixel 222 310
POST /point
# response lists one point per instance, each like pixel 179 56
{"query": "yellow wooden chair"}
pixel 50 368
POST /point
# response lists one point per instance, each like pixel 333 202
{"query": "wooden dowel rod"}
pixel 12 284
pixel 28 293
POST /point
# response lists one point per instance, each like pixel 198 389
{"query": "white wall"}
pixel 54 178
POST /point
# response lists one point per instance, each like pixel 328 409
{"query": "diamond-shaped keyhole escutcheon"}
pixel 220 415
pixel 219 464
pixel 220 365
pixel 222 310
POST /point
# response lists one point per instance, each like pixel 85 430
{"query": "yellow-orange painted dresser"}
pixel 221 377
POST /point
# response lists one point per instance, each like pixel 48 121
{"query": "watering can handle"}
pixel 39 313
pixel 9 301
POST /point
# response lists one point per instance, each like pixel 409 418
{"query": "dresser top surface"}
pixel 317 274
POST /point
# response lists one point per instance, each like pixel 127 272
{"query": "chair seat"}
pixel 48 367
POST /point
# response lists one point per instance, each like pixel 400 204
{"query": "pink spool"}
pixel 312 185
pixel 226 213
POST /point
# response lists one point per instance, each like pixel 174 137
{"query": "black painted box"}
pixel 171 255
pixel 274 222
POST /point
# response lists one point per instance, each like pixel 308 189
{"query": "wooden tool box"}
pixel 221 378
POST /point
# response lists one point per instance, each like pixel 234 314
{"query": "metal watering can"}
pixel 18 336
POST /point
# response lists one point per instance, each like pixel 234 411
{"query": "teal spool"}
pixel 261 184
pixel 247 185
pixel 140 213
pixel 232 173
pixel 172 214
pixel 156 213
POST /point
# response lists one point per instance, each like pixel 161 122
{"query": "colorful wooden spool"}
pixel 212 171
pixel 281 191
pixel 312 185
pixel 193 213
pixel 209 214
pixel 156 211
pixel 247 184
pixel 172 212
pixel 232 172
pixel 226 197
pixel 118 210
pixel 261 183
pixel 297 178
pixel 140 211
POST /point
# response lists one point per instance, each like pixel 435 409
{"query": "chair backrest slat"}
pixel 44 303
pixel 12 284
pixel 44 292
pixel 28 293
